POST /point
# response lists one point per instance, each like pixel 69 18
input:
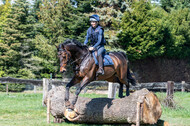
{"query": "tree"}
pixel 141 32
pixel 17 35
pixel 110 12
pixel 175 4
pixel 4 11
pixel 61 20
pixel 178 24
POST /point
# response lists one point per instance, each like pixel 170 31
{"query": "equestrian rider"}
pixel 96 35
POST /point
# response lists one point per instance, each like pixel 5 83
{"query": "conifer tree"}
pixel 17 35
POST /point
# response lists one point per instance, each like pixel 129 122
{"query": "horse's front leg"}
pixel 74 81
pixel 83 84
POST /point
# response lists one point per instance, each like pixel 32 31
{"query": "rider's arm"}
pixel 99 38
pixel 86 40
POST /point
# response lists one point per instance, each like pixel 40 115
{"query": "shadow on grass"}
pixel 159 123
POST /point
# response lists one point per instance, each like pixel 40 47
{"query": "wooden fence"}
pixel 48 84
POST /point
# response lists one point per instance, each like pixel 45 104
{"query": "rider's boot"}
pixel 101 69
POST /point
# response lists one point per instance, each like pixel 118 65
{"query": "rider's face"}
pixel 94 23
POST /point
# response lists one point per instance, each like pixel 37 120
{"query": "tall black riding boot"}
pixel 101 69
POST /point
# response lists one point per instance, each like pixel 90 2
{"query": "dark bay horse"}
pixel 85 68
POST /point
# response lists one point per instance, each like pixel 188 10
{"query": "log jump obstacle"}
pixel 141 107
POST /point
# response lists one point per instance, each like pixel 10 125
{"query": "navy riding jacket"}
pixel 96 36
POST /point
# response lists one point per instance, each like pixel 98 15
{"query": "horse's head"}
pixel 64 57
pixel 71 49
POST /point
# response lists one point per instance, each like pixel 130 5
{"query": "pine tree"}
pixel 4 11
pixel 168 5
pixel 18 33
pixel 61 20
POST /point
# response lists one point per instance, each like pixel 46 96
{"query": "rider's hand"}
pixel 91 48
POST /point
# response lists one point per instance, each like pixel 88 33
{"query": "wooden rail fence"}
pixel 48 84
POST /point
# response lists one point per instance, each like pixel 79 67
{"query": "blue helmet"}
pixel 95 17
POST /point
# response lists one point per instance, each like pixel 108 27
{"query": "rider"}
pixel 96 35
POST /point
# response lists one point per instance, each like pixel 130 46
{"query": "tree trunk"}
pixel 105 110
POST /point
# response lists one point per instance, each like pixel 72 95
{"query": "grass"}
pixel 180 116
pixel 25 109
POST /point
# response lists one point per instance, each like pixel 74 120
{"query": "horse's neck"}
pixel 79 55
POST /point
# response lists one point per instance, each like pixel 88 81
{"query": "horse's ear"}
pixel 62 46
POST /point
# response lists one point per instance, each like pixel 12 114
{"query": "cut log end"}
pixel 151 109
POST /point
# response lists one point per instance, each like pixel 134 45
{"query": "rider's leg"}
pixel 101 51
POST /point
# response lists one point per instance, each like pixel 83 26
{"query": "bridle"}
pixel 68 57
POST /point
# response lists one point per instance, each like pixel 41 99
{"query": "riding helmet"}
pixel 95 17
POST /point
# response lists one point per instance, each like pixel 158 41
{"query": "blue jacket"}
pixel 96 36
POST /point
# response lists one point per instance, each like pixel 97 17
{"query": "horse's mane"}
pixel 74 42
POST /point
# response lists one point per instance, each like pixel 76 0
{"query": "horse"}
pixel 73 52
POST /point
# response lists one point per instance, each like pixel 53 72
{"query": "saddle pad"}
pixel 106 59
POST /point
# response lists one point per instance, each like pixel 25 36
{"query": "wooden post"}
pixel 35 89
pixel 170 89
pixel 48 110
pixel 138 114
pixel 46 88
pixel 182 86
pixel 111 90
pixel 170 94
pixel 7 89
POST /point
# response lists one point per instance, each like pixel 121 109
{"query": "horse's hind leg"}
pixel 127 90
pixel 121 82
pixel 121 90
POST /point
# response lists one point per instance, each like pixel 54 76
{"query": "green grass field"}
pixel 25 109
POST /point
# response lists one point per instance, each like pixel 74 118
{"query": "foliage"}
pixel 4 11
pixel 149 31
pixel 168 5
pixel 18 33
pixel 29 33
pixel 141 32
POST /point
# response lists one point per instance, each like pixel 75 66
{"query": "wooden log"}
pixel 106 110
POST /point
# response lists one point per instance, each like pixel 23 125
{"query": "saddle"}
pixel 107 61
